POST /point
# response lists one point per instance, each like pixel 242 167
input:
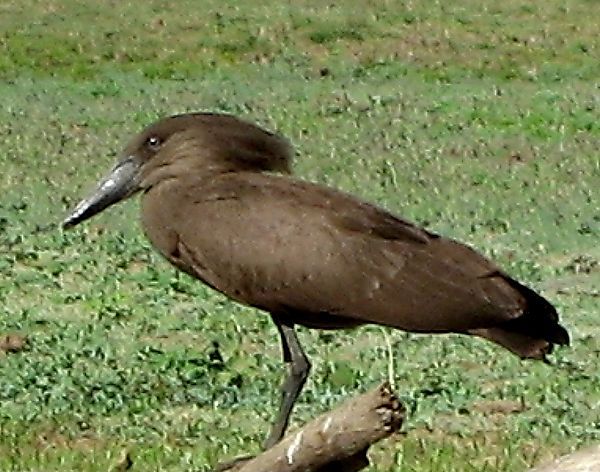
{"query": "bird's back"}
pixel 325 259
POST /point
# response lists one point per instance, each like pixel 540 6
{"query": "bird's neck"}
pixel 183 172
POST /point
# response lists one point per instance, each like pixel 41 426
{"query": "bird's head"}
pixel 198 143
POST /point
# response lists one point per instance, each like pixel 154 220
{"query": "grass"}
pixel 479 121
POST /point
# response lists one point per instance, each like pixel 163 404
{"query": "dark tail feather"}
pixel 539 319
pixel 534 333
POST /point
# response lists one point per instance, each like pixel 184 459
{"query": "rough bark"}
pixel 337 440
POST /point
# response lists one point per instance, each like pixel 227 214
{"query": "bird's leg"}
pixel 299 367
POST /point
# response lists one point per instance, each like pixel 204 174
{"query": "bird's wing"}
pixel 326 259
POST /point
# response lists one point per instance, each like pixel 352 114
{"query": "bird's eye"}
pixel 154 142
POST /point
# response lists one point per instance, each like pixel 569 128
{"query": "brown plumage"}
pixel 217 205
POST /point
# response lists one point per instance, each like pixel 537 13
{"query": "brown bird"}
pixel 217 204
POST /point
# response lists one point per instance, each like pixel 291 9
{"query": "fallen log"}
pixel 337 440
pixel 584 460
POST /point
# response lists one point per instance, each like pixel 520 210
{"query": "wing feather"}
pixel 324 258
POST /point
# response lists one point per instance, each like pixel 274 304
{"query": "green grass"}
pixel 480 122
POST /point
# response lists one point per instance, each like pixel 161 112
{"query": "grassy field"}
pixel 477 119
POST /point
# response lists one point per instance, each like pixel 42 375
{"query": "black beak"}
pixel 119 184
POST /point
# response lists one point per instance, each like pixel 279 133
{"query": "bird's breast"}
pixel 222 243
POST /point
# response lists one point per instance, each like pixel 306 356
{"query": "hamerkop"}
pixel 218 204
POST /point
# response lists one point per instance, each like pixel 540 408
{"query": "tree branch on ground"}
pixel 337 440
